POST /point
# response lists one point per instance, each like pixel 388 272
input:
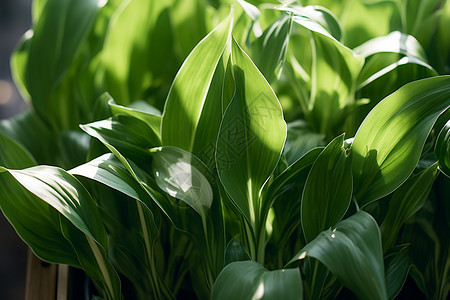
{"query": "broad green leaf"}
pixel 131 224
pixel 405 202
pixel 250 280
pixel 147 114
pixel 395 42
pixel 29 130
pixel 71 218
pixel 353 252
pixel 389 142
pixel 59 33
pixel 269 50
pixel 409 49
pixel 398 264
pixel 328 190
pixel 108 170
pixel 13 155
pixel 252 131
pixel 328 70
pixel 132 47
pixel 193 109
pixel 129 135
pixel 442 149
pixel 179 174
pixel 207 234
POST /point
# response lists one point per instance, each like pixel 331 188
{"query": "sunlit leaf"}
pixel 64 25
pixel 250 280
pixel 55 214
pixel 252 131
pixel 269 50
pixel 389 142
pixel 193 107
pixel 178 173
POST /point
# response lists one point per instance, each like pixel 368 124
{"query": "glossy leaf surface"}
pixel 193 107
pixel 250 280
pixel 389 142
pixel 353 252
pixel 252 131
pixel 60 221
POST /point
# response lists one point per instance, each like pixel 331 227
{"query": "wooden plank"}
pixel 41 279
pixel 63 282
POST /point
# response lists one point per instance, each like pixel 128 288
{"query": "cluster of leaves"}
pixel 229 175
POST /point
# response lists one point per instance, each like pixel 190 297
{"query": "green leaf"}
pixel 60 221
pixel 180 174
pixel 18 62
pixel 398 264
pixel 442 149
pixel 316 18
pixel 145 113
pixel 269 50
pixel 405 202
pixel 409 49
pixel 250 280
pixel 193 109
pixel 131 224
pixel 132 47
pixel 252 131
pixel 328 190
pixel 395 42
pixel 28 129
pixel 328 70
pixel 59 33
pixel 389 142
pixel 129 135
pixel 352 251
pixel 13 155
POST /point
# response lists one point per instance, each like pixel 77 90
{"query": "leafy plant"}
pixel 284 157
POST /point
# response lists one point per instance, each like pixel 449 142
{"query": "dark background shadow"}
pixel 15 19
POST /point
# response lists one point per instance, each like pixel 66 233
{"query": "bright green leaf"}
pixel 193 109
pixel 389 142
pixel 252 131
pixel 59 33
pixel 179 174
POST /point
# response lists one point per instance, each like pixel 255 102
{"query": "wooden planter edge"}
pixel 45 281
